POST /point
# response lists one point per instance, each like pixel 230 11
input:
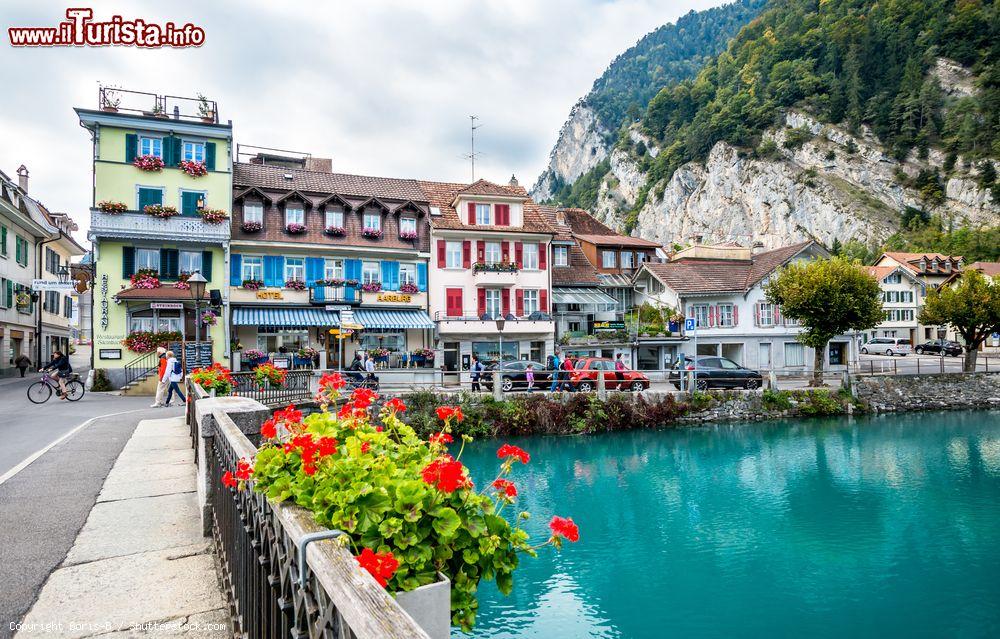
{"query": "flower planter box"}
pixel 430 607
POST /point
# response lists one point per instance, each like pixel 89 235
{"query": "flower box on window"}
pixel 150 163
pixel 193 168
pixel 159 210
pixel 146 278
pixel 336 231
pixel 214 216
pixel 295 285
pixel 371 233
pixel 502 267
pixel 112 208
pixel 350 282
pixel 335 282
pixel 371 287
pixel 407 235
pixel 408 287
pixel 252 227
pixel 253 285
pixel 296 229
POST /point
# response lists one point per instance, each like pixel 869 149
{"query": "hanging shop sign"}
pixel 605 326
pixel 53 285
pixel 104 302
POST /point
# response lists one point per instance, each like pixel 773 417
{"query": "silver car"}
pixel 887 346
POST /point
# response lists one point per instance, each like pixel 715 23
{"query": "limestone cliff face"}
pixel 582 144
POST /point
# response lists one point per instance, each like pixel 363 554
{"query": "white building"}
pixel 722 287
pixel 931 270
pixel 902 298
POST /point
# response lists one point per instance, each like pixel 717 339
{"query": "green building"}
pixel 162 193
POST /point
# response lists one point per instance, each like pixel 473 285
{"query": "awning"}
pixel 585 296
pixel 615 280
pixel 288 317
pixel 372 318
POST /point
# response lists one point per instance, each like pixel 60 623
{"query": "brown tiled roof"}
pixel 617 240
pixel 766 262
pixel 912 260
pixel 273 177
pixel 166 292
pixel 880 272
pixel 580 271
pixel 563 233
pixel 583 223
pixel 442 195
pixel 484 187
pixel 986 268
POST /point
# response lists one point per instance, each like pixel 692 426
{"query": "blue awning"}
pixel 287 317
pixel 372 318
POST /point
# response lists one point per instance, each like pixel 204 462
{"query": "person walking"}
pixel 161 385
pixel 477 370
pixel 173 375
pixel 555 362
pixel 529 377
pixel 22 362
pixel 619 370
pixel 567 366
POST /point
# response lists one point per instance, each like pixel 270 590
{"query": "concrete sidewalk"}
pixel 139 566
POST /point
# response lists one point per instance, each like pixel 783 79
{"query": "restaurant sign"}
pixel 607 327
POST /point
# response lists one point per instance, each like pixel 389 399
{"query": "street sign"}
pixel 52 285
pixel 690 324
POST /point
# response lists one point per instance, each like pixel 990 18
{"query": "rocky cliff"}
pixel 583 142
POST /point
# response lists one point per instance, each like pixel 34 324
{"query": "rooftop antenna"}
pixel 472 155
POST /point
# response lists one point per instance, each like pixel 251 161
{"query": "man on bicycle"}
pixel 59 369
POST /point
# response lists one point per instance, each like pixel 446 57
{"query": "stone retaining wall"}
pixel 952 391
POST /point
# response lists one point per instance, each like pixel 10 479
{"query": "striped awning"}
pixel 374 318
pixel 287 317
pixel 588 296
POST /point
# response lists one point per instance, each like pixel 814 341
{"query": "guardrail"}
pixel 296 387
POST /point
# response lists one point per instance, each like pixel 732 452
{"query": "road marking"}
pixel 31 458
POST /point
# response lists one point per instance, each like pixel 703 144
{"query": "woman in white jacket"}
pixel 173 374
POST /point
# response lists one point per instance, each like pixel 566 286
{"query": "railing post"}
pixel 602 387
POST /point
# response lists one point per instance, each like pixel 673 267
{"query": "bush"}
pixel 101 383
pixel 795 138
pixel 767 150
pixel 819 402
pixel 776 399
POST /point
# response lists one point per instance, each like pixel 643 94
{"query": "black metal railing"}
pixel 140 368
pixel 297 387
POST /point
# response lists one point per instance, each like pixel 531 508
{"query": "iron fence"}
pixel 297 387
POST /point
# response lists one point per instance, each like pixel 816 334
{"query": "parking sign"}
pixel 689 324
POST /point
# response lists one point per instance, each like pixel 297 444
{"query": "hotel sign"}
pixel 269 295
pixel 394 297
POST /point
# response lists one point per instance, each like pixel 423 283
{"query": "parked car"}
pixel 934 347
pixel 716 372
pixel 514 375
pixel 584 376
pixel 887 346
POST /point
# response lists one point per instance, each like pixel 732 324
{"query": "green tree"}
pixel 829 298
pixel 971 306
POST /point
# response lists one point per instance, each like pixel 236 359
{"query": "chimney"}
pixel 22 178
pixel 319 164
pixel 513 181
pixel 756 247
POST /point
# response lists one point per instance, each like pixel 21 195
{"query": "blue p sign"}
pixel 689 324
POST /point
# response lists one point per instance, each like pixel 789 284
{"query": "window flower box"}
pixel 268 376
pixel 192 168
pixel 371 287
pixel 145 278
pixel 252 227
pixel 296 229
pixel 501 267
pixel 149 163
pixel 336 231
pixel 409 288
pixel 112 208
pixel 254 357
pixel 295 285
pixel 214 216
pixel 407 235
pixel 159 210
pixel 353 283
pixel 146 341
pixel 253 285
pixel 334 283
pixel 372 234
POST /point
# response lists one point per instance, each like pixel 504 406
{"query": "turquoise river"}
pixel 872 527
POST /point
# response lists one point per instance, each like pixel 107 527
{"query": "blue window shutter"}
pixel 169 158
pixel 314 271
pixel 210 156
pixel 235 269
pixel 131 147
pixel 422 276
pixel 128 261
pixel 352 271
pixel 274 267
pixel 390 275
pixel 149 196
pixel 206 265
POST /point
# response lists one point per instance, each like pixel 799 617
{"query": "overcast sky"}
pixel 384 87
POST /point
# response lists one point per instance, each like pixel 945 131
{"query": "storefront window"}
pixel 490 351
pixel 284 340
pixel 168 321
pixel 392 339
pixel 155 321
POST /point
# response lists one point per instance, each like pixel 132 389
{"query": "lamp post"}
pixel 941 333
pixel 498 375
pixel 197 283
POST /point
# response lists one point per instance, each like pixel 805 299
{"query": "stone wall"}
pixel 953 391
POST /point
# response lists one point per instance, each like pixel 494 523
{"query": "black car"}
pixel 716 372
pixel 514 375
pixel 934 347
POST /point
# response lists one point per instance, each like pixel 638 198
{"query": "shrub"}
pixel 776 399
pixel 795 138
pixel 101 383
pixel 819 402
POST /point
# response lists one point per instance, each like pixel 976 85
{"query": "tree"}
pixel 829 298
pixel 971 306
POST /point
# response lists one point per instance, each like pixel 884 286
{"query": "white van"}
pixel 887 346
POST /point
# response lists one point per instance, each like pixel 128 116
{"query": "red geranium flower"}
pixel 365 446
pixel 506 487
pixel 268 430
pixel 363 397
pixel 229 480
pixel 508 450
pixel 381 565
pixel 243 470
pixel 290 414
pixel 445 413
pixel 327 446
pixel 564 527
pixel 446 474
pixel 440 438
pixel 331 381
pixel 396 405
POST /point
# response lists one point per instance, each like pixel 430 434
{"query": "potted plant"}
pixel 351 283
pixel 252 285
pixel 408 287
pixel 372 234
pixel 304 356
pixel 335 231
pixel 371 287
pixel 295 228
pixel 335 282
pixel 150 163
pixel 213 216
pixel 158 111
pixel 252 227
pixel 216 378
pixel 205 110
pixel 182 282
pixel 111 101
pixel 268 376
pixel 192 168
pixel 254 357
pixel 111 207
pixel 145 278
pixel 159 210
pixel 209 318
pixel 295 285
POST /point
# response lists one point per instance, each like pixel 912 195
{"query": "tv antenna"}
pixel 472 155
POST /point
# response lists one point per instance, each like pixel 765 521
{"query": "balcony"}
pixel 334 295
pixel 495 274
pixel 137 225
pixel 167 107
pixel 469 324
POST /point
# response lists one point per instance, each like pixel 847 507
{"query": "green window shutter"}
pixel 131 147
pixel 128 261
pixel 210 156
pixel 3 240
pixel 189 202
pixel 149 196
pixel 206 265
pixel 169 263
pixel 178 150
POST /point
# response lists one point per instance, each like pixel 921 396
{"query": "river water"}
pixel 871 527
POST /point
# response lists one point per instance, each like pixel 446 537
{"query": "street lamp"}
pixel 197 283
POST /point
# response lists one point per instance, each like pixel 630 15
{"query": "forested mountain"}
pixel 663 57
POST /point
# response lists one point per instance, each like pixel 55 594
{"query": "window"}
pixel 640 258
pixel 530 301
pixel 483 214
pixel 794 354
pixel 3 241
pixel 194 151
pixel 700 314
pixel 765 314
pixel 725 317
pixel 560 255
pixel 294 214
pixel 148 196
pixel 141 324
pixel 493 308
pixel 21 250
pixel 253 212
pixel 627 259
pixel 151 146
pixel 51 261
pixel 453 255
pixel 893 278
pixel 192 202
pixel 407 225
pixel 493 255
pixel 407 273
pixel 608 259
pixel 529 257
pixel 147 258
pixel 333 269
pixel 373 220
pixel 370 273
pixel 295 268
pixel 253 267
pixel 335 218
pixel 190 261
pixel 67 306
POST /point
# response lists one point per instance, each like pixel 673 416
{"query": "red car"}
pixel 584 378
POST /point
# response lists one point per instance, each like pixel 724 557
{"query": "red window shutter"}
pixel 543 249
pixel 518 255
pixel 777 315
pixel 519 296
pixel 466 254
pixel 480 251
pixel 505 251
pixel 472 212
pixel 736 315
pixel 756 314
pixel 505 299
pixel 503 214
pixel 442 250
pixel 543 301
pixel 482 301
pixel 454 302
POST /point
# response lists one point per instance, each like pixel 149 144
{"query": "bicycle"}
pixel 41 391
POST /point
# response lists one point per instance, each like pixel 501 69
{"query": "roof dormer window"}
pixel 923 265
pixel 947 267
pixel 934 264
pixel 483 214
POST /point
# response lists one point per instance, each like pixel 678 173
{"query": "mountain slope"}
pixel 671 53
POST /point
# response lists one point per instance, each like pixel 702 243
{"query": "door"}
pixel 451 374
pixel 764 356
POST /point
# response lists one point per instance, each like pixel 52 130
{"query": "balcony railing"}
pixel 170 107
pixel 138 225
pixel 472 316
pixel 335 295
